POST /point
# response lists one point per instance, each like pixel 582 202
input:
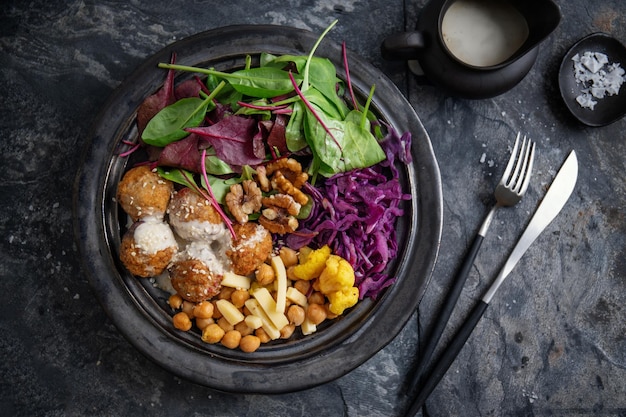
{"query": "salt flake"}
pixel 598 77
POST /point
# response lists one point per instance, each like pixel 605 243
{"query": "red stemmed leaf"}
pixel 233 140
pixel 182 154
pixel 156 102
pixel 277 138
pixel 189 88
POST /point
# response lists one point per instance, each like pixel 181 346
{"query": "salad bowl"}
pixel 140 311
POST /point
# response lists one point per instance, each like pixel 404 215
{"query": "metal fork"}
pixel 508 192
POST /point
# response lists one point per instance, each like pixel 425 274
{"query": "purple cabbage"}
pixel 355 214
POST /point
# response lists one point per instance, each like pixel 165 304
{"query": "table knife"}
pixel 554 200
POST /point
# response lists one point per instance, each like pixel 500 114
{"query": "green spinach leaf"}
pixel 168 125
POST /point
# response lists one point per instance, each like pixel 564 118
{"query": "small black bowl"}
pixel 140 311
pixel 608 109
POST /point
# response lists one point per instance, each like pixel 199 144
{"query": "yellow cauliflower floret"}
pixel 337 275
pixel 313 265
pixel 340 300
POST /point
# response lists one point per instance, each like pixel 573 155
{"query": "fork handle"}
pixel 447 358
pixel 446 311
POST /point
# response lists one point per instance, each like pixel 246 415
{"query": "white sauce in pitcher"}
pixel 483 32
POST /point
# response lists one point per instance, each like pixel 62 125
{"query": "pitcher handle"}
pixel 402 46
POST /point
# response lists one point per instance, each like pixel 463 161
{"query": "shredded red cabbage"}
pixel 355 214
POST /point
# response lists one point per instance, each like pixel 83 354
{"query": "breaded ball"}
pixel 142 193
pixel 148 247
pixel 194 218
pixel 194 281
pixel 252 246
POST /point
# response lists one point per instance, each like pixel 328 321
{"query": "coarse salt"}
pixel 598 76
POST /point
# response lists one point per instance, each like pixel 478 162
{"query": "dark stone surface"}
pixel 551 343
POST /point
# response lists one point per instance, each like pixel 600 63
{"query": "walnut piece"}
pixel 288 178
pixel 290 169
pixel 278 214
pixel 243 199
pixel 262 179
pixel 284 185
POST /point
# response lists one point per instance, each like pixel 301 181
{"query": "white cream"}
pixel 212 254
pixel 164 282
pixel 257 237
pixel 198 230
pixel 483 32
pixel 153 235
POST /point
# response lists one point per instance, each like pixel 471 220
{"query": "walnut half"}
pixel 243 199
pixel 279 213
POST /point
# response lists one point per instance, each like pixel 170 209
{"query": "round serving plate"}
pixel 140 311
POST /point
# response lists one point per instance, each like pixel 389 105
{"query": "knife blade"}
pixel 557 195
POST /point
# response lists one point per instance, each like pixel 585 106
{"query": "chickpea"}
pixel 188 307
pixel 288 304
pixel 243 328
pixel 202 323
pixel 225 293
pixel 262 335
pixel 295 314
pixel 302 286
pixel 249 343
pixel 216 311
pixel 224 324
pixel 287 331
pixel 329 314
pixel 212 333
pixel 304 253
pixel 231 339
pixel 239 297
pixel 203 310
pixel 290 274
pixel 265 274
pixel 316 285
pixel 175 301
pixel 181 321
pixel 288 256
pixel 316 313
pixel 317 298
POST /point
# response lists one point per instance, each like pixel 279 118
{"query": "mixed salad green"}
pixel 215 129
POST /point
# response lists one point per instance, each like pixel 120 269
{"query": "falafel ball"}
pixel 194 218
pixel 196 274
pixel 148 247
pixel 142 192
pixel 251 247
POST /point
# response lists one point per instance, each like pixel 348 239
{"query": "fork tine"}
pixel 516 180
pixel 511 163
pixel 512 182
pixel 528 159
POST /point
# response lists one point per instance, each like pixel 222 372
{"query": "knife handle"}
pixel 448 356
pixel 446 311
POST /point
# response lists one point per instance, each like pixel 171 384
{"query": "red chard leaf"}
pixel 233 140
pixel 188 88
pixel 182 154
pixel 156 102
pixel 277 138
pixel 258 140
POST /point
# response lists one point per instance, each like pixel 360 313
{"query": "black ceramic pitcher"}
pixel 476 48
